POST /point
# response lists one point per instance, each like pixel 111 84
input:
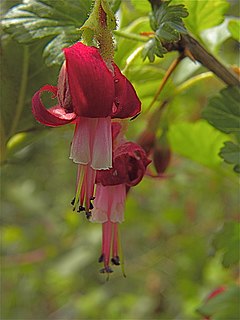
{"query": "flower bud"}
pixel 147 140
pixel 161 154
pixel 161 159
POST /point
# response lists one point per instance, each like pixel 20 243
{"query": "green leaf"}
pixel 231 154
pixel 197 141
pixel 52 54
pixel 166 22
pixel 223 306
pixel 153 48
pixel 234 28
pixel 35 20
pixel 142 6
pixel 223 111
pixel 227 240
pixel 115 4
pixel 204 14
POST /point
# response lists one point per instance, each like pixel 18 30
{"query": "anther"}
pixel 88 214
pixel 106 270
pixel 91 206
pixel 115 260
pixel 101 258
pixel 80 209
pixel 73 201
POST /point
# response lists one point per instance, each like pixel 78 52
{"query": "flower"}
pixel 89 94
pixel 129 165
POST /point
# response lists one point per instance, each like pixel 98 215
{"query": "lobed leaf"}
pixel 223 112
pixel 231 154
pixel 204 14
pixel 34 20
pixel 166 22
pixel 197 141
pixel 227 240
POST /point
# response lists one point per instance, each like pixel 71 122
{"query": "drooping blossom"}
pixel 89 94
pixel 129 165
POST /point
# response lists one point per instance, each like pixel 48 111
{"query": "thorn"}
pixel 188 53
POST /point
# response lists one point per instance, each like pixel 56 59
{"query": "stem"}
pixel 131 36
pixel 164 80
pixel 208 60
pixel 131 58
pixel 197 51
pixel 190 82
pixel 22 90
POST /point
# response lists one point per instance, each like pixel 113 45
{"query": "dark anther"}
pixel 106 270
pixel 101 258
pixel 92 198
pixel 91 206
pixel 116 260
pixel 80 209
pixel 73 201
pixel 88 214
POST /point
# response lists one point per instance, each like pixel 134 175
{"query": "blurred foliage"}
pixel 180 237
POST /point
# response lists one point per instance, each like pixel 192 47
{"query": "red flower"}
pixel 89 94
pixel 129 165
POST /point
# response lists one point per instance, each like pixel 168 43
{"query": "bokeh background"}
pixel 49 267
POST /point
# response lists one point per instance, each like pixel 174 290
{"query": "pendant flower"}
pixel 89 94
pixel 129 165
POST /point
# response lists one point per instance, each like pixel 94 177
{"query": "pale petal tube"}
pixel 109 203
pixel 102 145
pixel 92 143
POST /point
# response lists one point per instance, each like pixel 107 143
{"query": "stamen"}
pixel 80 209
pixel 73 201
pixel 101 258
pixel 107 269
pixel 116 261
pixel 91 206
pixel 88 214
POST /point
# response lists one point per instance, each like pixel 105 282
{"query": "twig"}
pixel 195 50
pixel 208 60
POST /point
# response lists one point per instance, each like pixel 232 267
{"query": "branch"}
pixel 194 50
pixel 208 60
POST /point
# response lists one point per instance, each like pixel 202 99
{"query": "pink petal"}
pixel 92 143
pixel 81 144
pixel 129 166
pixel 90 81
pixel 52 117
pixel 102 145
pixel 126 103
pixel 118 196
pixel 109 203
pixel 100 210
